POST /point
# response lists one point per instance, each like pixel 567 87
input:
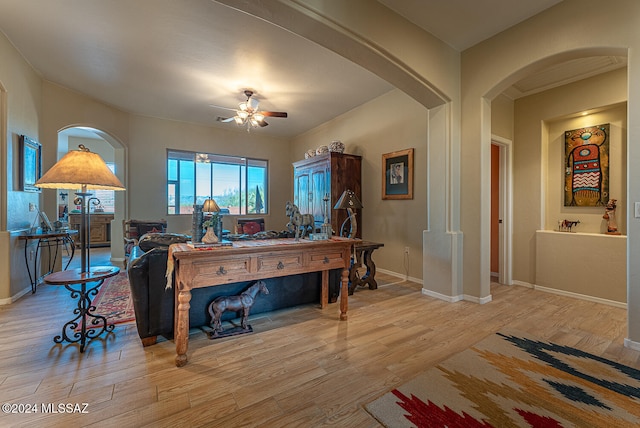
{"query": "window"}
pixel 236 183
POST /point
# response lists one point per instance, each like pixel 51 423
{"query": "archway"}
pixel 531 142
pixel 112 208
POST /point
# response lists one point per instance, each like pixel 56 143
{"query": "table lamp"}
pixel 349 201
pixel 86 170
pixel 210 206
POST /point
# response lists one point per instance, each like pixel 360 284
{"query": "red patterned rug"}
pixel 511 380
pixel 113 300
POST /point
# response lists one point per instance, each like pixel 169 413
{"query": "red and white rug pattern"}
pixel 512 380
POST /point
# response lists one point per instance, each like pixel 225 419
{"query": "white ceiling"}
pixel 173 59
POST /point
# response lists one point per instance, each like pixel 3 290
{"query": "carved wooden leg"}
pixel 148 341
pixel 324 296
pixel 181 329
pixel 344 294
pixel 371 270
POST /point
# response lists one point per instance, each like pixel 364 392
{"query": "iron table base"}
pixel 91 325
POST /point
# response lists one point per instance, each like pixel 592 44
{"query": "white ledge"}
pixel 601 235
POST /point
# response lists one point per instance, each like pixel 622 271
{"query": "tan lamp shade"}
pixel 80 168
pixel 210 206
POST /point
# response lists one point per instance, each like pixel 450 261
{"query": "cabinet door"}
pixel 319 183
pixel 301 190
pixel 98 233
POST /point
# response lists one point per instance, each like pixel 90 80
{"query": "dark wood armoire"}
pixel 327 174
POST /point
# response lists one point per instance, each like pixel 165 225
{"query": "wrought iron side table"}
pixel 83 292
pixel 51 241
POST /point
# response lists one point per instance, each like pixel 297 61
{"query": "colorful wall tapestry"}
pixel 586 182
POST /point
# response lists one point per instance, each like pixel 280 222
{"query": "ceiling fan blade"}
pixel 223 108
pixel 274 113
pixel 225 119
pixel 262 123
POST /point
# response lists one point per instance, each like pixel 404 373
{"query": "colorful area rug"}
pixel 511 380
pixel 113 300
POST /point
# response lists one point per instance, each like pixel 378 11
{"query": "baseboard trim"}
pixel 608 302
pixel 440 296
pixel 479 300
pixel 400 276
pixel 10 300
pixel 522 283
pixel 628 343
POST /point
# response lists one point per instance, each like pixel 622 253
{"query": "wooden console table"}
pixel 248 261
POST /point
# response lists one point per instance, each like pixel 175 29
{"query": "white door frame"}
pixel 505 211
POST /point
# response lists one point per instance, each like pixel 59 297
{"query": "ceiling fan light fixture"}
pixel 247 113
pixel 252 104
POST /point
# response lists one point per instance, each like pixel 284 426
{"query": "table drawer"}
pixel 279 264
pixel 223 268
pixel 326 260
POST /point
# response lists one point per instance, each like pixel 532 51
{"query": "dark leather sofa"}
pixel 154 304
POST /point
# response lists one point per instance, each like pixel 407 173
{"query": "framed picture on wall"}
pixel 586 160
pixel 30 163
pixel 397 175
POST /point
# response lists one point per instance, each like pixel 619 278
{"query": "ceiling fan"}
pixel 248 114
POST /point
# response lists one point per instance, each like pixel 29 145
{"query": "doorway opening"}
pixel 501 209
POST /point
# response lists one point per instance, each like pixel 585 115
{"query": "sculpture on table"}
pixel 242 302
pixel 610 216
pixel 298 223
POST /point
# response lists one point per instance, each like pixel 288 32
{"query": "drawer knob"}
pixel 326 260
pixel 280 266
pixel 221 271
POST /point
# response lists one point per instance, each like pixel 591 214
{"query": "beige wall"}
pixel 20 107
pixel 502 117
pixel 540 120
pixel 591 266
pixel 391 122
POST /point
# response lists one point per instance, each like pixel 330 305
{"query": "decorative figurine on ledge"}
pixel 567 225
pixel 298 223
pixel 610 216
pixel 243 303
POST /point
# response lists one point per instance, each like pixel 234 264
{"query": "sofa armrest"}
pixel 152 302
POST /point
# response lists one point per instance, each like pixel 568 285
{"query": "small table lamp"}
pixel 349 201
pixel 210 206
pixel 86 170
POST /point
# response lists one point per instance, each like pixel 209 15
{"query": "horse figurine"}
pixel 243 302
pixel 298 223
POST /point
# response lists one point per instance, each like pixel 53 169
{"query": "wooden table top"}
pixel 368 245
pixel 75 276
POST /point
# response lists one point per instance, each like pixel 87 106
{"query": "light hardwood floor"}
pixel 301 367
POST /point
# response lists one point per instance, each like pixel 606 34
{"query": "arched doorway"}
pixel 109 213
